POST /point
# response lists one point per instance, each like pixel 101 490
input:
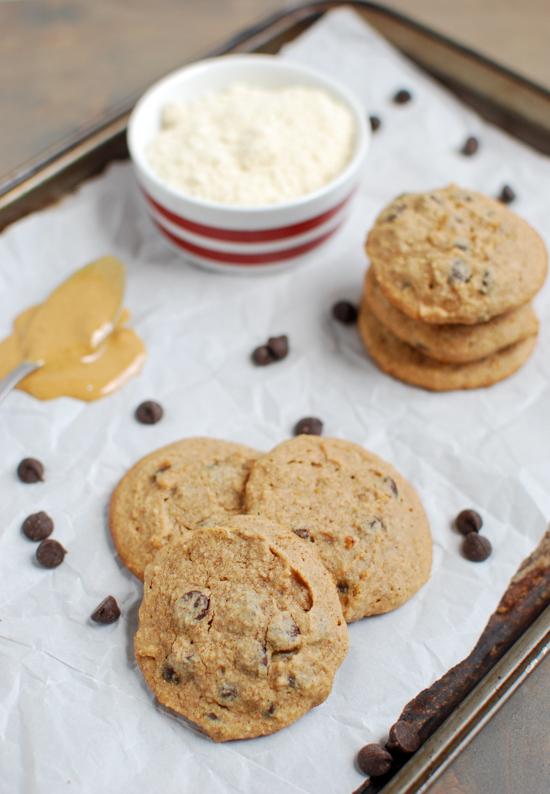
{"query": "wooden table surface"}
pixel 63 63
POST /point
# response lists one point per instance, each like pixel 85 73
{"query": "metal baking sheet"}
pixel 507 100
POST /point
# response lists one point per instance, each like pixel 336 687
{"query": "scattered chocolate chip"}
pixel 345 312
pixel 302 533
pixel 270 711
pixel 402 96
pixel 342 587
pixel 278 346
pixel 292 681
pixel 470 146
pixel 403 739
pixel 375 123
pixel 476 548
pixel 149 412
pixel 37 526
pixel 308 426
pixel 50 553
pixel 30 470
pixel 108 611
pixel 170 675
pixel 459 271
pixel 228 692
pixel 212 716
pixel 389 481
pixel 373 760
pixel 192 606
pixel 506 195
pixel 468 521
pixel 262 355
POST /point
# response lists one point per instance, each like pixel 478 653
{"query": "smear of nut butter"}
pixel 79 337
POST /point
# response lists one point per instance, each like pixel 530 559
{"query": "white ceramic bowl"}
pixel 242 239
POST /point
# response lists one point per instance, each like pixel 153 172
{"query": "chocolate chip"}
pixel 345 312
pixel 278 346
pixel 308 426
pixel 170 675
pixel 106 612
pixel 30 470
pixel 375 123
pixel 476 548
pixel 470 146
pixel 377 525
pixel 292 681
pixel 228 692
pixel 486 282
pixel 403 739
pixel 50 553
pixel 402 96
pixel 262 356
pixel 192 606
pixel 270 711
pixel 506 195
pixel 212 716
pixel 37 526
pixel 149 412
pixel 342 587
pixel 462 245
pixel 373 760
pixel 459 271
pixel 302 533
pixel 390 482
pixel 468 521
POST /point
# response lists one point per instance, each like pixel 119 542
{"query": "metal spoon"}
pixel 12 379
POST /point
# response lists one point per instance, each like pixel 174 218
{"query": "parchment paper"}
pixel 74 713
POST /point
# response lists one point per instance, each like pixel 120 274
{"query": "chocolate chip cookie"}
pixel 193 483
pixel 363 518
pixel 411 366
pixel 455 256
pixel 450 343
pixel 240 628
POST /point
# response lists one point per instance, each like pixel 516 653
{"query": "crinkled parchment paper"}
pixel 74 712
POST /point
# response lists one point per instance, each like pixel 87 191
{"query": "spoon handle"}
pixel 13 378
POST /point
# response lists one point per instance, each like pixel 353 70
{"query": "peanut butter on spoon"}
pixel 77 336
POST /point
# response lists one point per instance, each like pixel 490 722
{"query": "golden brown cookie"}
pixel 193 483
pixel 409 365
pixel 240 628
pixel 363 518
pixel 455 256
pixel 450 343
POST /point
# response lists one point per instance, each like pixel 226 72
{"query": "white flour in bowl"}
pixel 252 146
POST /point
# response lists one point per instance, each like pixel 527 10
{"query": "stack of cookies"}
pixel 446 302
pixel 254 563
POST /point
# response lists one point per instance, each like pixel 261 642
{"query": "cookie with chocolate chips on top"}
pixel 455 256
pixel 240 628
pixel 193 483
pixel 363 518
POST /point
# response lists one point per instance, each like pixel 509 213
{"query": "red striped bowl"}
pixel 234 238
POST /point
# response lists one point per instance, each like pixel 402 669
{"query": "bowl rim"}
pixel 341 92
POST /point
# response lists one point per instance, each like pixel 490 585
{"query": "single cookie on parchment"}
pixel 193 483
pixel 455 256
pixel 411 366
pixel 240 628
pixel 363 518
pixel 452 344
